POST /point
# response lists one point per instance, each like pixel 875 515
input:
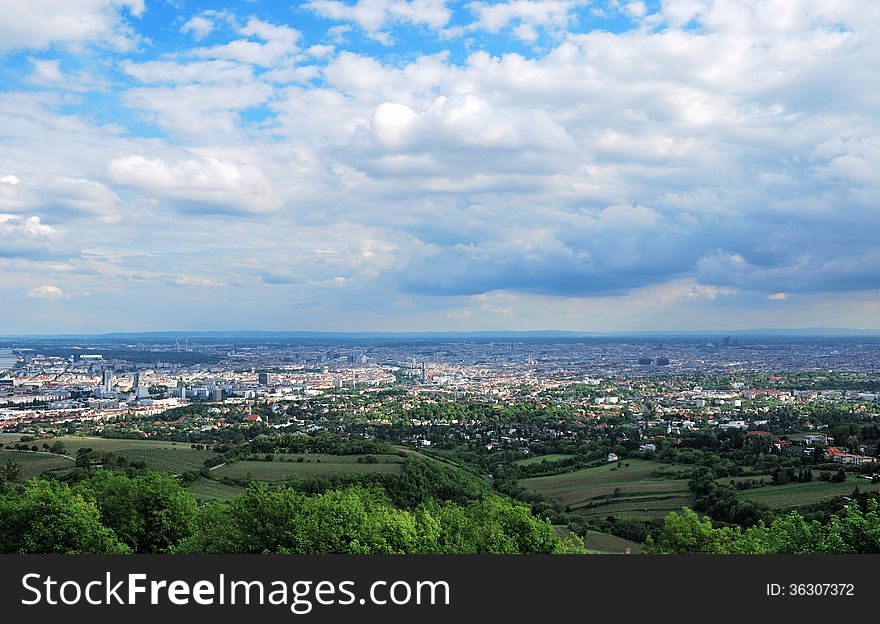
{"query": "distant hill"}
pixel 460 335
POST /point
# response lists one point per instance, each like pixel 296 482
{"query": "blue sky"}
pixel 436 165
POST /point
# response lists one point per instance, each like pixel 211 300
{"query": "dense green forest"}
pixel 112 512
pixel 852 531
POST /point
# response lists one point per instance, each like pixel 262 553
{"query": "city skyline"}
pixel 428 165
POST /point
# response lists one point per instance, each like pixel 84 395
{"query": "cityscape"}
pixel 781 422
pixel 428 277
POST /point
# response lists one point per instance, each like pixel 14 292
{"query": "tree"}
pixel 150 513
pixel 10 472
pixel 48 517
pixel 361 520
pixel 688 533
pixel 84 458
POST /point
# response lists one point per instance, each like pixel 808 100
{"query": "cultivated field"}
pixel 73 443
pixel 336 459
pixel 799 494
pixel 624 491
pixel 552 457
pixel 604 543
pixel 275 471
pixel 34 464
pixel 214 490
pixel 173 457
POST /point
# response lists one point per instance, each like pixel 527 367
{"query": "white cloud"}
pixel 199 110
pixel 46 71
pixel 80 196
pixel 666 169
pixel 374 16
pixel 528 15
pixel 28 237
pixel 197 72
pixel 275 43
pixel 459 136
pixel 41 23
pixel 197 281
pixel 202 184
pixel 200 27
pixel 46 292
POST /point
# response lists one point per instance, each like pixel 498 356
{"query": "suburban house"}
pixel 839 457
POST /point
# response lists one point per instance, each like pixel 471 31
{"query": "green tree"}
pixel 10 472
pixel 48 517
pixel 687 533
pixel 85 457
pixel 150 513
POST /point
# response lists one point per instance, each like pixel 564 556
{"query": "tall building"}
pixel 107 380
pixel 264 379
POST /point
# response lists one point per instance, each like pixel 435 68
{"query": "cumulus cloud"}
pixel 526 16
pixel 201 109
pixel 273 43
pixel 463 140
pixel 203 184
pixel 42 23
pixel 27 237
pixel 374 16
pixel 711 153
pixel 199 25
pixel 46 292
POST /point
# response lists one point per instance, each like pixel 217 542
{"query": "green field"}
pixel 34 464
pixel 73 443
pixel 604 543
pixel 626 492
pixel 173 457
pixel 798 494
pixel 275 471
pixel 336 459
pixel 214 490
pixel 552 457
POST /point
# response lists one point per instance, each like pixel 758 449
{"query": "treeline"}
pixel 419 481
pixel 852 531
pixel 151 513
pixel 320 443
pixel 268 445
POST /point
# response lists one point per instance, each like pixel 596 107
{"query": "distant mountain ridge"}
pixel 487 334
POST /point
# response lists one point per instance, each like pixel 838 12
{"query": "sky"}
pixel 432 165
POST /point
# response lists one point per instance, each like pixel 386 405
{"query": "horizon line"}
pixel 767 331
